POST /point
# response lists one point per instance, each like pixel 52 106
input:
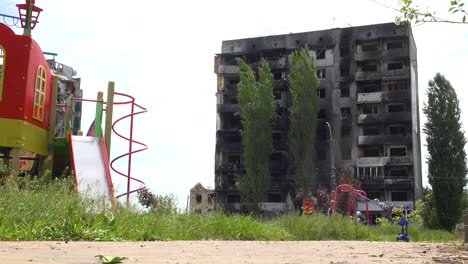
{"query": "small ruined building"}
pixel 368 97
pixel 201 199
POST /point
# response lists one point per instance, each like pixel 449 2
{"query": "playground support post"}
pixel 15 162
pixel 332 158
pixel 109 112
pixel 98 117
pixel 52 124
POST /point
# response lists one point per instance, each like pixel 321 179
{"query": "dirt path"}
pixel 233 252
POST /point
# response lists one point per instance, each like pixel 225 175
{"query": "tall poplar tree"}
pixel 445 144
pixel 303 83
pixel 257 111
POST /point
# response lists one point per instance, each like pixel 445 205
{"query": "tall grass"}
pixel 33 210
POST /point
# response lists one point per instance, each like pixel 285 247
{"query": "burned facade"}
pixel 368 121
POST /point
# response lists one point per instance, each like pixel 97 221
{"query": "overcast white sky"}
pixel 161 52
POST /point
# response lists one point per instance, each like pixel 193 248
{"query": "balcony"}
pixel 279 63
pixel 279 84
pixel 384 139
pixel 383 161
pixel 395 96
pixel 228 69
pixel 392 74
pixel 367 55
pixel 227 108
pixel 395 53
pixel 384 117
pixel 230 146
pixel 375 97
pixel 366 76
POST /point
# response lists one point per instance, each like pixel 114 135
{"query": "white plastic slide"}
pixel 91 167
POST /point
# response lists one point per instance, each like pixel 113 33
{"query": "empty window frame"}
pixel 369 67
pixel 397 130
pixel 370 151
pixel 395 85
pixel 395 108
pixel 321 93
pixel 345 112
pixel 321 73
pixel 394 65
pixel 344 91
pixel 322 114
pixel 2 70
pixel 399 196
pixel 399 151
pixel 398 172
pixel 369 109
pixel 344 51
pixel 345 151
pixel 365 47
pixel 234 81
pixel 374 195
pixel 278 75
pixel 39 94
pixel 369 87
pixel 344 70
pixel 345 130
pixel 370 131
pixel 277 95
pixel 198 198
pixel 211 198
pixel 370 172
pixel 320 54
pixel 394 45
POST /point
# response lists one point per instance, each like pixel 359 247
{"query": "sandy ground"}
pixel 233 252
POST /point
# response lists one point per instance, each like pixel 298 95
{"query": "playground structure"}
pixel 31 130
pixel 353 195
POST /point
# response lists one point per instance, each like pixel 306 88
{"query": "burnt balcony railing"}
pixel 400 73
pixel 227 108
pixel 395 53
pixel 383 161
pixel 365 76
pixel 384 117
pixel 384 139
pixel 367 55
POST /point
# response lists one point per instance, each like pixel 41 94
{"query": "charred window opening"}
pixel 231 121
pixel 279 111
pixel 345 131
pixel 321 153
pixel 233 81
pixel 344 51
pixel 198 198
pixel 275 177
pixel 234 159
pixel 345 151
pixel 229 60
pixel 278 75
pixel 276 156
pixel 395 65
pixel 396 85
pixel 322 132
pixel 321 73
pixel 233 138
pixel 370 151
pixel 344 91
pixel 369 87
pixel 276 136
pixel 230 99
pixel 233 198
pixel 274 197
pixel 370 109
pixel 395 108
pixel 231 178
pixel 320 54
pixel 272 55
pixel 370 172
pixel 344 70
pixel 345 112
pixel 397 130
pixel 398 172
pixel 397 151
pixel 374 195
pixel 322 114
pixel 370 131
pixel 365 47
pixel 277 95
pixel 399 196
pixel 394 45
pixel 321 93
pixel 370 67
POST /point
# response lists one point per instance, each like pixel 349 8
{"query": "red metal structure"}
pixel 352 200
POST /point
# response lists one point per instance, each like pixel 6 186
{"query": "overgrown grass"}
pixel 32 210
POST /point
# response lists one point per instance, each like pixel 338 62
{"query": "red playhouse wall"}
pixel 23 56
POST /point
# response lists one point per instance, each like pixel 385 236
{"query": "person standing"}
pixel 298 201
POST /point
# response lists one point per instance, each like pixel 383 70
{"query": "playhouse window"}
pixel 2 66
pixel 39 94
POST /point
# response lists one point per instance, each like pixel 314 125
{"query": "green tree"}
pixel 257 112
pixel 446 155
pixel 303 83
pixel 413 13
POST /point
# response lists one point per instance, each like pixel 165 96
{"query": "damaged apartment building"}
pixel 368 95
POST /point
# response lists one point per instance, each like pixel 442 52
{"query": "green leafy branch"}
pixel 411 12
